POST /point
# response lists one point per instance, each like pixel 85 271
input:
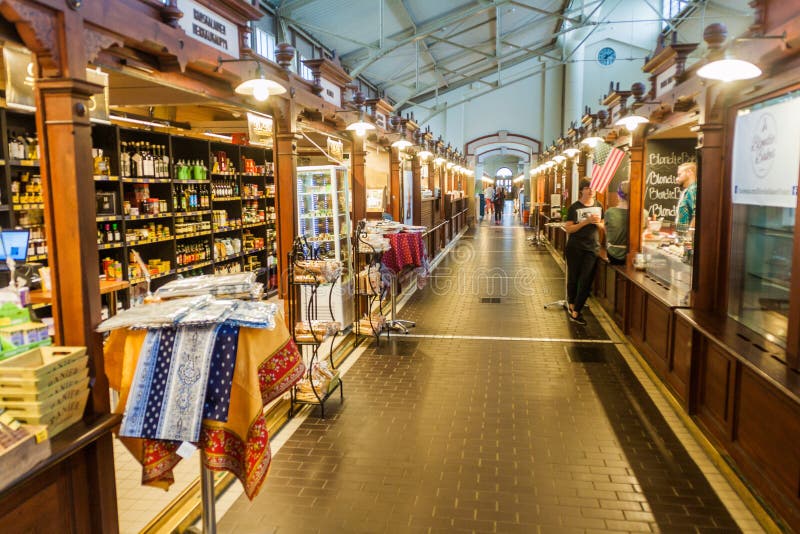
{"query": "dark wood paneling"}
pixel 765 439
pixel 657 330
pixel 680 365
pixel 716 370
pixel 621 289
pixel 635 313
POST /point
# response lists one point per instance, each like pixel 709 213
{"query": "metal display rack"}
pixel 307 301
pixel 367 257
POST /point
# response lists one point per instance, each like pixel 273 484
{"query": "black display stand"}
pixel 367 257
pixel 297 302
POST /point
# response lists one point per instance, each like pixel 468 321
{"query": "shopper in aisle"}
pixel 514 196
pixel 583 225
pixel 616 226
pixel 499 202
pixel 488 194
pixel 481 205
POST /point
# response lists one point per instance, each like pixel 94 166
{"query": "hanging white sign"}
pixel 766 154
pixel 208 27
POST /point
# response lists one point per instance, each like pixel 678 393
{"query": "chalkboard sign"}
pixel 661 189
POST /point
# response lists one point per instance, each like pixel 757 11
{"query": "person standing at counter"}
pixel 583 225
pixel 488 194
pixel 616 226
pixel 687 179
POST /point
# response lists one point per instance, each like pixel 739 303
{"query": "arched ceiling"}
pixel 414 49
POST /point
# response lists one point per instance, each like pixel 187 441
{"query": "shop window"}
pixel 764 193
pixel 263 43
pixel 672 9
pixel 305 72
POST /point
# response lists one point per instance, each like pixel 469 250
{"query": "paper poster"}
pixel 766 153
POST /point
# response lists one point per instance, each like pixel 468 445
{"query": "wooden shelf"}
pixel 225 199
pixel 108 218
pixel 148 217
pixel 193 266
pixel 108 246
pixel 192 213
pixel 23 162
pixel 129 180
pixel 103 178
pixel 28 206
pixel 191 235
pixel 148 241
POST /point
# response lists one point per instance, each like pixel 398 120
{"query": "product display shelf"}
pixel 171 154
pixel 322 379
pixel 367 266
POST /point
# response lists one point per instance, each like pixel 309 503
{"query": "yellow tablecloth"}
pixel 267 364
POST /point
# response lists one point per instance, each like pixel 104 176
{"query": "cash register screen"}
pixel 14 243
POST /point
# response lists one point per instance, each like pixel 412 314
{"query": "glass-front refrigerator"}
pixel 323 211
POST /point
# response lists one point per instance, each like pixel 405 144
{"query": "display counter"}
pixel 748 400
pixel 645 310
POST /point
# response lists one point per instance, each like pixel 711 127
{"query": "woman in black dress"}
pixel 583 225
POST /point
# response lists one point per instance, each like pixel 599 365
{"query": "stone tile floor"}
pixel 517 421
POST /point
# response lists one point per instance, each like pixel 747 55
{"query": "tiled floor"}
pixel 494 415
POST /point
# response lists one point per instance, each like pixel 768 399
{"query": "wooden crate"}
pixel 21 458
pixel 41 368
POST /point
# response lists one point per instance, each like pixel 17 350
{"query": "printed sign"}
pixel 20 77
pixel 335 149
pixel 259 129
pixel 766 155
pixel 98 103
pixel 661 189
pixel 209 28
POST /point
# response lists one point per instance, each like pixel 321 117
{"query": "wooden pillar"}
pixel 440 181
pixel 395 176
pixel 636 194
pixel 708 287
pixel 286 139
pixel 416 190
pixel 65 142
pixel 359 192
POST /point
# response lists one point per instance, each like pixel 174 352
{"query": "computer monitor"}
pixel 14 243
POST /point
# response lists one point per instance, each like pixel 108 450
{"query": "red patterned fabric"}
pixel 408 250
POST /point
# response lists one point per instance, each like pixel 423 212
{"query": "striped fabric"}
pixel 602 175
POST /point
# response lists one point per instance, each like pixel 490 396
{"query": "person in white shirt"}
pixel 488 195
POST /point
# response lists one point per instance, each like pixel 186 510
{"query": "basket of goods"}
pixel 317 271
pixel 315 331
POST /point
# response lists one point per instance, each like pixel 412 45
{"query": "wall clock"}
pixel 606 56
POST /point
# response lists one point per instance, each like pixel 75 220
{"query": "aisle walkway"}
pixel 494 415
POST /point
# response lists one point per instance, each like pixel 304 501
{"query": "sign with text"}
pixel 20 78
pixel 766 155
pixel 661 189
pixel 335 149
pixel 259 129
pixel 208 27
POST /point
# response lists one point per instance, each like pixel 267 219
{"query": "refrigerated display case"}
pixel 323 212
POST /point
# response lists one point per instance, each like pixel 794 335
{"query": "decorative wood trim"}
pixel 95 41
pixel 38 27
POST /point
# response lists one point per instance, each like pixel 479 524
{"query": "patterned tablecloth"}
pixel 408 250
pixel 267 364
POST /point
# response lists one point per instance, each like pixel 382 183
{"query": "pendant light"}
pixel 259 87
pixel 591 141
pixel 571 152
pixel 631 122
pixel 559 159
pixel 424 154
pixel 729 69
pixel 401 144
pixel 360 127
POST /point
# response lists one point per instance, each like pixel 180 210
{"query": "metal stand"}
pixel 400 325
pixel 536 238
pixel 561 303
pixel 209 504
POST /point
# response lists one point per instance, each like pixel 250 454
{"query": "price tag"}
pixel 186 450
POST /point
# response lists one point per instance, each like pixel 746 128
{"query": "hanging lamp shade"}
pixel 591 141
pixel 260 88
pixel 571 152
pixel 729 69
pixel 631 122
pixel 424 154
pixel 360 127
pixel 401 144
pixel 559 158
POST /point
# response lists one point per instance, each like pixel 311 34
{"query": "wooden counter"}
pixel 645 310
pixel 40 296
pixel 747 400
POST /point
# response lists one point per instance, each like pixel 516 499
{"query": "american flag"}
pixel 602 174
